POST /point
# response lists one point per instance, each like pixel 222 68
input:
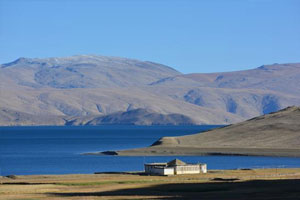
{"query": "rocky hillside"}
pixel 90 89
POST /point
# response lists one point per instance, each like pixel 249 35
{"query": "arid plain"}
pixel 216 184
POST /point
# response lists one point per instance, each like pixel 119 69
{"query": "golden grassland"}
pixel 216 184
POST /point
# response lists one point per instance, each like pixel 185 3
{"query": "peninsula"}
pixel 274 134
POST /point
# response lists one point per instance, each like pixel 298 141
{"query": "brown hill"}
pixel 275 134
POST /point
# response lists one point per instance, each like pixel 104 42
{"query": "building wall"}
pixel 149 169
pixel 187 169
pixel 160 171
pixel 168 171
pixel 203 168
pixel 181 169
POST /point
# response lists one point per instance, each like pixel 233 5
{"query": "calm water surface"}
pixel 57 150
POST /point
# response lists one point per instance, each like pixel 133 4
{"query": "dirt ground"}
pixel 216 184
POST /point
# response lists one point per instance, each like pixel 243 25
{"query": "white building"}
pixel 174 167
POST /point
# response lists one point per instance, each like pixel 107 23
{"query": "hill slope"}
pixel 273 134
pixel 80 90
pixel 247 93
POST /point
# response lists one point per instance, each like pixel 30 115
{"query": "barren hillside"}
pixel 275 134
pixel 90 89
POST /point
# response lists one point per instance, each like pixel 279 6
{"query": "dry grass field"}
pixel 216 184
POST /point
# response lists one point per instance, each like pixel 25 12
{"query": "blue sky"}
pixel 191 36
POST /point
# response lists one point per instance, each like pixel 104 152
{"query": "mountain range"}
pixel 94 90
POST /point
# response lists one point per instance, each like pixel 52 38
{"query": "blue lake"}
pixel 57 150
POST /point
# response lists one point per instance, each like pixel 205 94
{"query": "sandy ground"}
pixel 216 184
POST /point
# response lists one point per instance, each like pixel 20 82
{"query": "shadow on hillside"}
pixel 258 189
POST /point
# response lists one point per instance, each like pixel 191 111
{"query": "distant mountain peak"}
pixel 83 58
pixel 22 60
pixel 87 71
pixel 277 66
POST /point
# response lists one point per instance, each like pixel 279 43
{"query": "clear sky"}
pixel 191 36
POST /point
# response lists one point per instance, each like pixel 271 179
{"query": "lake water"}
pixel 57 150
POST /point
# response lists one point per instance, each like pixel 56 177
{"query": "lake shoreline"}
pixel 193 151
pixel 58 150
